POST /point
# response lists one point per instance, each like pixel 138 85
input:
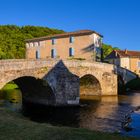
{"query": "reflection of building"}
pixel 126 59
pixel 83 44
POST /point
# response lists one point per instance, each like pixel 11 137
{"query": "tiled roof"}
pixel 123 53
pixel 126 53
pixel 67 34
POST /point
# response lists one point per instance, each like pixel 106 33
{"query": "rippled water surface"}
pixel 95 113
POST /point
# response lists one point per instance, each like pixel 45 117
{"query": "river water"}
pixel 96 113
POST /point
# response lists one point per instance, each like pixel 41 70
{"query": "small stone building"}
pixel 83 44
pixel 126 59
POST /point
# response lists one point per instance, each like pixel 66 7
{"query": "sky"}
pixel 117 20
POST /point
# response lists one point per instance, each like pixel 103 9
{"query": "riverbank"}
pixel 14 126
pixel 11 93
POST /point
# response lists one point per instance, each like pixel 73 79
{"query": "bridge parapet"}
pixel 20 64
pixel 126 74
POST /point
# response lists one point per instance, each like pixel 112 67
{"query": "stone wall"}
pixel 62 76
pixel 83 47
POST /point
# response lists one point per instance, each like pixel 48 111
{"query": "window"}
pixel 35 44
pixel 37 54
pixel 98 54
pixel 38 43
pixel 27 45
pixel 138 64
pixel 31 45
pixel 100 41
pixel 71 51
pixel 53 41
pixel 53 53
pixel 71 39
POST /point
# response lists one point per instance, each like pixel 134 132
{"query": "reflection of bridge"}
pixel 62 77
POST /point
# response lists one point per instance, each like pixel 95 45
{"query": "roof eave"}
pixel 61 36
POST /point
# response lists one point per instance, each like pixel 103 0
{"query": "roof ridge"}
pixel 74 33
pixel 128 50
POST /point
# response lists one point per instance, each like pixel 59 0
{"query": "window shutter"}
pixel 37 54
pixel 71 39
pixel 53 41
pixel 53 53
pixel 71 51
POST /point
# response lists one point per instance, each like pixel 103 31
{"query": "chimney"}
pixel 125 51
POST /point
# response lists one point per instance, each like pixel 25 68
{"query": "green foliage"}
pixel 12 39
pixel 10 86
pixel 107 49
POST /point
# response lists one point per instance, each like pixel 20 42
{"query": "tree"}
pixel 12 39
pixel 107 49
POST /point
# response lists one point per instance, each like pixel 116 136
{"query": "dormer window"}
pixel 31 45
pixel 53 41
pixel 27 45
pixel 71 39
pixel 36 44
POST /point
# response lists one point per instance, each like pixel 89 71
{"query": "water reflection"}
pixel 96 112
pixel 103 114
pixel 11 99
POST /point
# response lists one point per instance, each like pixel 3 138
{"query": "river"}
pixel 96 113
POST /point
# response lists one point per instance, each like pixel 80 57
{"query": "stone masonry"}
pixel 62 76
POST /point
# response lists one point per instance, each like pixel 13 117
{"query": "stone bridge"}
pixel 61 76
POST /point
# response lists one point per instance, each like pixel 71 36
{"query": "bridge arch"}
pixel 90 85
pixel 62 76
pixel 35 90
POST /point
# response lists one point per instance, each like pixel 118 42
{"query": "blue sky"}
pixel 117 20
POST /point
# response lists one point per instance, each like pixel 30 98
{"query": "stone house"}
pixel 126 59
pixel 83 44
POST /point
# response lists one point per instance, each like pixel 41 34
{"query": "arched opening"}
pixel 28 90
pixel 11 96
pixel 89 86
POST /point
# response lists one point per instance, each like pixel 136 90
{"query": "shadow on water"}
pixel 62 116
pixel 95 113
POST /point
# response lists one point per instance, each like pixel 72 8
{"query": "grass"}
pixel 10 86
pixel 14 126
pixel 11 93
